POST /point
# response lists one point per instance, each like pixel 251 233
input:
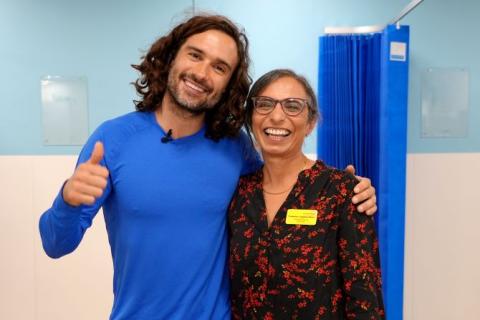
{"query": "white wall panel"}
pixel 17 299
pixel 442 255
pixel 77 286
pixel 442 258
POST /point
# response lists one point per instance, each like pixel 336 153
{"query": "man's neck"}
pixel 182 123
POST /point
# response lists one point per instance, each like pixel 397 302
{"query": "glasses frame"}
pixel 304 103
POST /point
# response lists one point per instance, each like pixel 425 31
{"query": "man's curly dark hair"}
pixel 227 117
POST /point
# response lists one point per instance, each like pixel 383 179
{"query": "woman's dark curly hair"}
pixel 227 117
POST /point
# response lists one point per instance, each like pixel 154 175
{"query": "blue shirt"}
pixel 165 211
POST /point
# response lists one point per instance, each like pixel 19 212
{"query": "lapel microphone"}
pixel 167 137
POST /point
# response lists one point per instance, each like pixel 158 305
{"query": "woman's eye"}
pixel 293 106
pixel 264 104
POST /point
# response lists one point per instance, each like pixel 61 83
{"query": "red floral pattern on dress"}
pixel 326 271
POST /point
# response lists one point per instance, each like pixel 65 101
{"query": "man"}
pixel 164 176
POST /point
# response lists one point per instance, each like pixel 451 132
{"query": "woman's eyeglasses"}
pixel 290 106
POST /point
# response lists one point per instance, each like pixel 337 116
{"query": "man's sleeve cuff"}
pixel 64 210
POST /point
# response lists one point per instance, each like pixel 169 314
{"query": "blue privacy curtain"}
pixel 363 82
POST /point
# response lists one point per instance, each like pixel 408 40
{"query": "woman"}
pixel 298 248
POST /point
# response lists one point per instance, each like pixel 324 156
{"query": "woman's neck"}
pixel 282 173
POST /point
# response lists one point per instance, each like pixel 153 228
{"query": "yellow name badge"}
pixel 304 217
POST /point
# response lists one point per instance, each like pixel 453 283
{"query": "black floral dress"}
pixel 329 270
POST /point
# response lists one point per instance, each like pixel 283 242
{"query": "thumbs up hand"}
pixel 88 181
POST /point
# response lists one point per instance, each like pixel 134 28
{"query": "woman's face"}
pixel 278 134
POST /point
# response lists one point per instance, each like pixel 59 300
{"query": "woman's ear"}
pixel 310 125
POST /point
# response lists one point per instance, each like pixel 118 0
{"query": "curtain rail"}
pixel 412 5
pixel 375 28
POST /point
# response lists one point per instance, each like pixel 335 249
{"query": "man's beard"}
pixel 195 108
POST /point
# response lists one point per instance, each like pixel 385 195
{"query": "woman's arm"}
pixel 359 259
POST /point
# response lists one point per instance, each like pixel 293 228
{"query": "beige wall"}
pixel 442 258
pixel 33 286
pixel 442 254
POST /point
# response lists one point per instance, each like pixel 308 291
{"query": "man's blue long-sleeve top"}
pixel 165 212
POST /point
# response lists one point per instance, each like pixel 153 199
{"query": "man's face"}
pixel 201 70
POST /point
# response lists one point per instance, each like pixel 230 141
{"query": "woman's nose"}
pixel 277 113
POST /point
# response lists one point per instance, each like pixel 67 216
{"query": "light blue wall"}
pixel 100 39
pixel 444 34
pixel 284 33
pixel 96 39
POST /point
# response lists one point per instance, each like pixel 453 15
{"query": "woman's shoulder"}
pixel 321 168
pixel 334 179
pixel 251 179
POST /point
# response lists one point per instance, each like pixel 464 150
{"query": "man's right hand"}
pixel 88 181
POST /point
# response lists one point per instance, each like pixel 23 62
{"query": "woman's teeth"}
pixel 277 132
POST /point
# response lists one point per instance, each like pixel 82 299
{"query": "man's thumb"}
pixel 97 153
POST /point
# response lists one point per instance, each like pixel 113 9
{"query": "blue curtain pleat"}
pixel 363 100
pixel 351 94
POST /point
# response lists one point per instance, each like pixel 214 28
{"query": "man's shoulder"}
pixel 125 125
pixel 127 121
pixel 243 141
pixel 119 130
